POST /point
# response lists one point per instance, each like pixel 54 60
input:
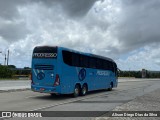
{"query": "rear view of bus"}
pixel 44 70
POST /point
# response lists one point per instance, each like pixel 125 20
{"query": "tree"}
pixel 11 66
pixel 5 72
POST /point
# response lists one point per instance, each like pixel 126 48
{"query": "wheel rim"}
pixel 76 91
pixel 84 91
pixel 110 87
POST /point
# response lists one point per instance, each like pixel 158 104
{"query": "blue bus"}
pixel 59 70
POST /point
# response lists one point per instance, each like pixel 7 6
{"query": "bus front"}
pixel 44 70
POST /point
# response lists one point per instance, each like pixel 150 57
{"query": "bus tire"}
pixel 110 87
pixel 76 91
pixel 84 90
pixel 53 94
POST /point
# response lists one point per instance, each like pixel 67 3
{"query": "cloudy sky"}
pixel 127 31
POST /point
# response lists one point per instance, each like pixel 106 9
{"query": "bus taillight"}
pixel 57 80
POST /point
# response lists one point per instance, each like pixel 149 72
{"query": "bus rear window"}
pixel 45 52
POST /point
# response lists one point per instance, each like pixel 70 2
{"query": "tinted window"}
pixel 108 65
pixel 111 66
pixel 67 57
pixel 76 59
pixel 92 62
pixel 84 61
pixel 115 68
pixel 45 49
pixel 45 52
pixel 99 64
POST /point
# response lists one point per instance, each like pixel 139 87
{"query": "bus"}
pixel 59 70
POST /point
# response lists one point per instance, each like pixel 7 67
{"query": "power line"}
pixel 5 60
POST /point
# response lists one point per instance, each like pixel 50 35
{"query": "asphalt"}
pixel 14 85
pixel 146 105
pixel 148 102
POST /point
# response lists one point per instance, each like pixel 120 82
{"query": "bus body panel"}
pixel 68 78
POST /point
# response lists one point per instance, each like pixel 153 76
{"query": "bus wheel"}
pixel 110 87
pixel 53 94
pixel 84 90
pixel 76 91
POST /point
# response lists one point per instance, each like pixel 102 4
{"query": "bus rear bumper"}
pixel 43 89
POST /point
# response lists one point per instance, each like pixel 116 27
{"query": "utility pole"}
pixel 0 52
pixel 5 60
pixel 7 57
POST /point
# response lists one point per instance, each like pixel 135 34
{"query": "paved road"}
pixel 14 84
pixel 94 101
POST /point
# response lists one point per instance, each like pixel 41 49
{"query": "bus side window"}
pixel 111 67
pixel 99 64
pixel 92 62
pixel 67 57
pixel 104 64
pixel 76 59
pixel 84 61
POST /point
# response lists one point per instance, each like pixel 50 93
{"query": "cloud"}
pixel 8 8
pixel 13 30
pixel 74 8
pixel 147 57
pixel 124 30
pixel 12 26
pixel 140 24
pixel 77 7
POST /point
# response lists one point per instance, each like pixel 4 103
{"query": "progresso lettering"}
pixel 44 55
pixel 103 73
